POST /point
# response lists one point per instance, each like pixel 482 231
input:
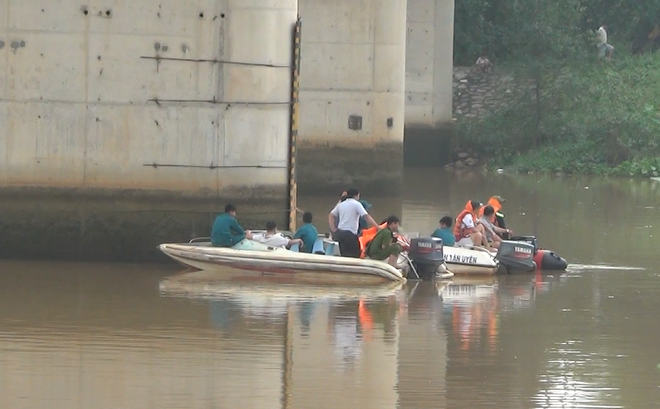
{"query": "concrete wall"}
pixel 76 95
pixel 353 65
pixel 429 65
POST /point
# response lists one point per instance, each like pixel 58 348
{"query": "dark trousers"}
pixel 348 243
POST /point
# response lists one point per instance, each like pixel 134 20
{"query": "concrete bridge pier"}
pixel 429 77
pixel 352 95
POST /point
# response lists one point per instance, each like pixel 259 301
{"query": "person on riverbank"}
pixel 444 232
pixel 226 232
pixel 604 49
pixel 467 230
pixel 273 238
pixel 307 233
pixel 384 246
pixel 344 220
pixel 483 64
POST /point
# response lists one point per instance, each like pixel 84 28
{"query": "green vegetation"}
pixel 580 115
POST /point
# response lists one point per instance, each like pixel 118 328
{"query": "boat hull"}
pixel 463 261
pixel 281 265
pixel 205 284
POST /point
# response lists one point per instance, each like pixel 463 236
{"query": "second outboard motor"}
pixel 527 239
pixel 427 255
pixel 516 255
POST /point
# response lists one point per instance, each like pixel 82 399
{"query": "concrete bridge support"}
pixel 352 95
pixel 161 100
pixel 93 93
pixel 429 69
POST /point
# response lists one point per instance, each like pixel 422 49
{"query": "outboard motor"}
pixel 549 260
pixel 427 255
pixel 527 239
pixel 516 255
pixel 544 259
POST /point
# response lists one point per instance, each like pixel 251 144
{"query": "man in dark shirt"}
pixel 226 231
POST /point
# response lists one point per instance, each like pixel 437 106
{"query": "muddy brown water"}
pixel 93 335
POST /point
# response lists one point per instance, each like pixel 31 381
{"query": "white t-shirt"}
pixel 468 222
pixel 348 213
pixel 602 36
pixel 273 240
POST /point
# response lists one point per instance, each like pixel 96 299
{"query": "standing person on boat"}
pixel 307 233
pixel 384 246
pixel 274 239
pixel 226 232
pixel 444 232
pixel 363 221
pixel 344 220
pixel 467 230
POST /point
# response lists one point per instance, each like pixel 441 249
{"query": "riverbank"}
pixel 588 117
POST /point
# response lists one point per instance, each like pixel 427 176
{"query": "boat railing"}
pixel 199 239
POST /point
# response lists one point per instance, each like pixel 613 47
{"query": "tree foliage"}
pixel 580 115
pixel 513 29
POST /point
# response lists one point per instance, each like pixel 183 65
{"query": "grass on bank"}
pixel 590 117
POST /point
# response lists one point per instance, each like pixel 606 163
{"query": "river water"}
pixel 89 335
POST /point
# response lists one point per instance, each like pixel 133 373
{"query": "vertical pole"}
pixel 295 110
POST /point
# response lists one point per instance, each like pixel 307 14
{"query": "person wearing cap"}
pixel 467 230
pixel 344 220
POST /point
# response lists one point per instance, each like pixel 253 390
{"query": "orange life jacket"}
pixel 366 237
pixel 496 205
pixel 459 231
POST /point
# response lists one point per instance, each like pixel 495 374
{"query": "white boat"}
pixel 252 261
pixel 263 263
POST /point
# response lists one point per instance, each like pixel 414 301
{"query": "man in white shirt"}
pixel 604 49
pixel 274 239
pixel 344 220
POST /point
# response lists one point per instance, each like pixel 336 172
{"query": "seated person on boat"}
pixel 383 246
pixel 274 239
pixel 344 220
pixel 496 202
pixel 444 232
pixel 490 229
pixel 307 233
pixel 226 232
pixel 467 230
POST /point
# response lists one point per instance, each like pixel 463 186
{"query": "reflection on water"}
pixel 106 336
pixel 118 336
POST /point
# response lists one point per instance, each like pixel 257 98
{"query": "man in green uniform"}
pixel 383 245
pixel 226 231
pixel 308 233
